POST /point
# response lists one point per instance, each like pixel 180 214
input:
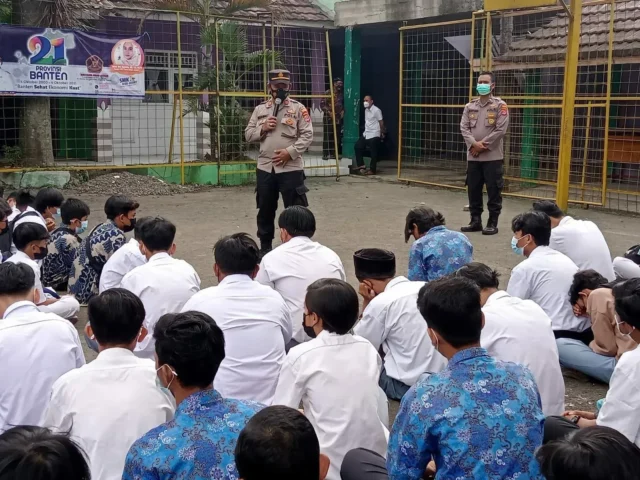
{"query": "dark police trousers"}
pixel 489 174
pixel 374 145
pixel 269 187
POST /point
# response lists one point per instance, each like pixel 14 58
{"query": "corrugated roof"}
pixel 549 42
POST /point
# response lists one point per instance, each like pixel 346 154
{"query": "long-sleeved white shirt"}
pixel 106 406
pixel 257 325
pixel 336 378
pixel 626 268
pixel 36 349
pixel 120 263
pixel 519 331
pixel 164 284
pixel 583 242
pixel 37 218
pixel 392 320
pixel 21 257
pixel 292 267
pixel 546 277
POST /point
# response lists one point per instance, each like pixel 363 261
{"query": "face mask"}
pixel 129 228
pixel 83 227
pixel 366 104
pixel 308 330
pixel 41 254
pixel 514 246
pixel 162 387
pixel 282 94
pixel 437 343
pixel 483 88
pixel 618 323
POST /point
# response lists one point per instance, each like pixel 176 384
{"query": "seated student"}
pixel 36 348
pixel 31 241
pixel 164 284
pixel 591 295
pixel 297 263
pixel 518 331
pixel 621 408
pixel 47 203
pixel 123 261
pixel 437 251
pixel 593 453
pixel 29 452
pixel 198 444
pixel 391 320
pixel 254 318
pixel 479 418
pixel 97 247
pixel 279 443
pixel 111 402
pixel 335 375
pixel 64 243
pixel 12 200
pixel 5 231
pixel 545 275
pixel 580 240
pixel 628 266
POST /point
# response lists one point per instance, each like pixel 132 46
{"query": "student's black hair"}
pixel 13 195
pixel 451 307
pixel 237 254
pixel 482 275
pixel 35 453
pixel 48 197
pixel 424 218
pixel 491 74
pixel 28 232
pixel 536 224
pixel 24 199
pixel 137 231
pixel 117 205
pixel 549 207
pixel 16 278
pixel 279 443
pixel 73 208
pixel 585 280
pixel 192 344
pixel 298 221
pixel 591 453
pixel 627 295
pixel 116 316
pixel 335 302
pixel 5 210
pixel 157 234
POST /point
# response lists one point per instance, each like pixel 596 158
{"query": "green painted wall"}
pixel 351 91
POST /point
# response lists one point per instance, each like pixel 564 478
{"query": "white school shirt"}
pixel 164 284
pixel 626 268
pixel 292 267
pixel 257 325
pixel 621 409
pixel 39 219
pixel 120 263
pixel 372 119
pixel 336 378
pixel 583 242
pixel 519 331
pixel 106 406
pixel 392 320
pixel 546 277
pixel 21 257
pixel 36 349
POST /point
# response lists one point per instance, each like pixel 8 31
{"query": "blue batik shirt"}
pixel 61 251
pixel 438 253
pixel 198 444
pixel 479 418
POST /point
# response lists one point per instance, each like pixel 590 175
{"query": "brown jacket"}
pixel 607 340
pixel 485 123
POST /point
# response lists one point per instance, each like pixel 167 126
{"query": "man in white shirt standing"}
pixel 391 320
pixel 374 132
pixel 580 240
pixel 519 331
pixel 36 348
pixel 111 402
pixel 164 284
pixel 125 259
pixel 254 318
pixel 297 263
pixel 545 276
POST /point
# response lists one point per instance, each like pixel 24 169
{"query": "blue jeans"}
pixel 394 389
pixel 576 355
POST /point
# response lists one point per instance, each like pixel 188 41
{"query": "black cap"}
pixel 374 263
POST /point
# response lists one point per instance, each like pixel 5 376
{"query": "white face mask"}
pixel 366 104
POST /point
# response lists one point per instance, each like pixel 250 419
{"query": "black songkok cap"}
pixel 374 263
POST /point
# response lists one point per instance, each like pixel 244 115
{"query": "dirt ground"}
pixel 355 213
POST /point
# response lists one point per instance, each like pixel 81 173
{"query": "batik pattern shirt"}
pixel 438 253
pixel 479 418
pixel 105 240
pixel 198 444
pixel 61 251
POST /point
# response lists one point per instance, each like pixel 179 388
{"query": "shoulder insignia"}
pixel 504 110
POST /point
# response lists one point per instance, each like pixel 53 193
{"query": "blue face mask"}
pixel 483 88
pixel 514 246
pixel 83 227
pixel 58 213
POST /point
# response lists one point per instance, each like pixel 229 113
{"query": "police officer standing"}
pixel 283 127
pixel 483 126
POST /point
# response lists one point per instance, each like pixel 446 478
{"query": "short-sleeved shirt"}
pixel 61 251
pixel 438 253
pixel 372 119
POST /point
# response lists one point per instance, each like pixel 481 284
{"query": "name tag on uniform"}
pixel 291 110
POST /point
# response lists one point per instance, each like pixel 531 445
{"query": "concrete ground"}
pixel 353 213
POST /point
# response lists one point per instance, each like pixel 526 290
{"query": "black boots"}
pixel 474 226
pixel 265 247
pixel 492 226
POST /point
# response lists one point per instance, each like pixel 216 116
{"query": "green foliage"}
pixel 12 154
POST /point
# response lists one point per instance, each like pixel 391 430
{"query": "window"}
pixel 162 73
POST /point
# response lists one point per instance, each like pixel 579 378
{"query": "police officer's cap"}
pixel 279 76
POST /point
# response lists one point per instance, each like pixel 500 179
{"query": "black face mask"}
pixel 42 253
pixel 282 94
pixel 5 229
pixel 308 330
pixel 129 228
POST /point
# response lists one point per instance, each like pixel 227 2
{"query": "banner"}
pixel 67 63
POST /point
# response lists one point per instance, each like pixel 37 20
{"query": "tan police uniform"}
pixel 485 122
pixel 294 133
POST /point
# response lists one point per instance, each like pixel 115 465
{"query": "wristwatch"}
pixel 575 419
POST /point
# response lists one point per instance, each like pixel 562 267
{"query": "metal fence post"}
pixel 181 118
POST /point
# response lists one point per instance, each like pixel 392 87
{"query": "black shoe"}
pixel 474 226
pixel 265 248
pixel 492 226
